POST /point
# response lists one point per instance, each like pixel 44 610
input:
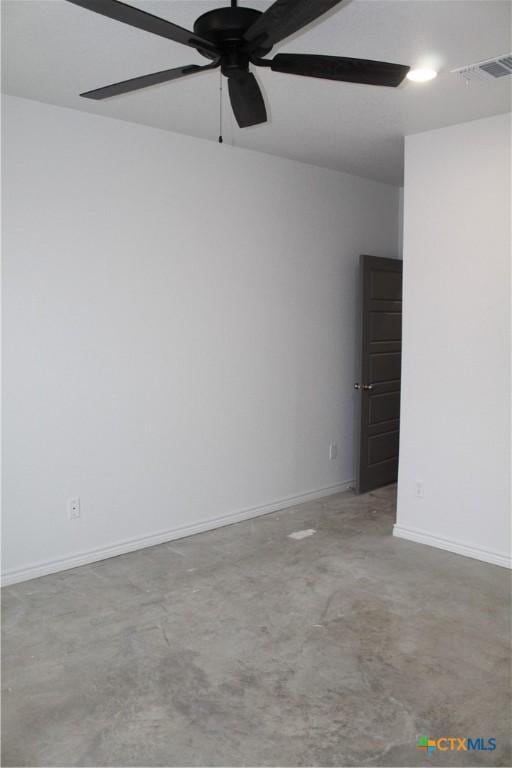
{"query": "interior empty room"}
pixel 256 383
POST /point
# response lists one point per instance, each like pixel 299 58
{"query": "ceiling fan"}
pixel 233 38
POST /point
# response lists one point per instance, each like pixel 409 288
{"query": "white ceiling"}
pixel 52 50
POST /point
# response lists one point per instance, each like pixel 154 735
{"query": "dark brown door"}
pixel 379 383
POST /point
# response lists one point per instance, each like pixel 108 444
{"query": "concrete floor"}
pixel 242 646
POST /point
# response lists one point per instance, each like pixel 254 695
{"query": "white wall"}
pixel 179 331
pixel 455 421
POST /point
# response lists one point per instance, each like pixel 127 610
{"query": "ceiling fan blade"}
pixel 146 21
pixel 246 100
pixel 283 18
pixel 136 83
pixel 340 68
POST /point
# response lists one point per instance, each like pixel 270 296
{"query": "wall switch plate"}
pixel 74 508
pixel 333 451
pixel 419 490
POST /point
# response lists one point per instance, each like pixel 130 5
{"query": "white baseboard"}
pixel 63 564
pixel 421 537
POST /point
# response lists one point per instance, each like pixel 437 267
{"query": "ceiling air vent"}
pixel 483 70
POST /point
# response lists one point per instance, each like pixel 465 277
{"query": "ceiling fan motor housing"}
pixel 225 27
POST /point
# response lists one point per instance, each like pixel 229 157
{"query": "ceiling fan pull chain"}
pixel 220 107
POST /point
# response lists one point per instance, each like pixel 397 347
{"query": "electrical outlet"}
pixel 74 508
pixel 419 490
pixel 333 451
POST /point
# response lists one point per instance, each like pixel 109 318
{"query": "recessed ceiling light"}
pixel 421 75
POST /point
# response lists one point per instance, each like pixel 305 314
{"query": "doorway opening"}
pixel 378 424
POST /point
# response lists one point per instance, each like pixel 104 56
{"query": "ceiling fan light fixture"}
pixel 421 74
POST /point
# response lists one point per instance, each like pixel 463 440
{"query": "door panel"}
pixel 382 447
pixel 385 366
pixel 379 385
pixel 385 326
pixel 385 407
pixel 385 285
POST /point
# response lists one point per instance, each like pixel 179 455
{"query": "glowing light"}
pixel 421 75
